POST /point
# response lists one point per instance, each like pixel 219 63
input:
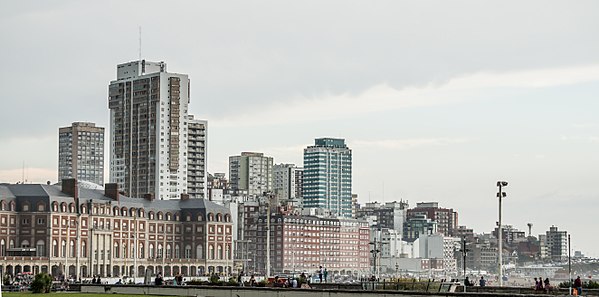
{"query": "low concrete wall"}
pixel 209 291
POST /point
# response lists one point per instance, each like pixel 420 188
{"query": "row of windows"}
pixel 132 212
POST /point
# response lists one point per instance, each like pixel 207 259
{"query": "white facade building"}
pixel 148 124
pixel 197 146
pixel 437 246
pixel 288 181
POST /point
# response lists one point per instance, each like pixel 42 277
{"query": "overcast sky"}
pixel 437 99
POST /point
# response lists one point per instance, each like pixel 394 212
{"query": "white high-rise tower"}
pixel 148 124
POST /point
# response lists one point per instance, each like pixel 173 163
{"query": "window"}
pixel 116 250
pixel 177 252
pixel 54 248
pixel 40 248
pixel 25 206
pixel 72 249
pixel 83 249
pixel 160 251
pixel 187 251
pixel 169 252
pixel 151 251
pixel 41 221
pixel 41 207
pixel 2 247
pixel 64 248
pixel 199 252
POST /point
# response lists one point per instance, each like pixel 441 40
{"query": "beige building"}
pixel 81 152
pixel 85 232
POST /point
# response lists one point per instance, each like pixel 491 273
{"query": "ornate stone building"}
pixel 101 232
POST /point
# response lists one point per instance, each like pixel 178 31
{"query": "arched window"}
pixel 151 251
pixel 11 245
pixel 220 252
pixel 83 208
pixel 227 218
pixel 71 207
pixel 151 215
pixel 124 211
pixel 141 251
pixel 177 252
pixel 116 250
pixel 55 206
pixel 54 248
pixel 160 216
pixel 210 217
pixel 200 218
pixel 219 217
pixel 168 216
pixel 41 206
pixel 64 248
pixel 211 252
pixel 124 250
pixel 40 248
pixel 2 247
pixel 25 206
pixel 12 206
pixel 187 251
pixel 2 205
pixel 83 249
pixel 160 251
pixel 228 252
pixel 63 207
pixel 72 249
pixel 200 252
pixel 169 252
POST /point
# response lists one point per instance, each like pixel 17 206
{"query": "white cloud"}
pixel 383 97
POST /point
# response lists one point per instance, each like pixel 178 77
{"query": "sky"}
pixel 438 100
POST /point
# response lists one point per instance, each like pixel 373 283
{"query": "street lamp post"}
pixel 464 253
pixel 500 195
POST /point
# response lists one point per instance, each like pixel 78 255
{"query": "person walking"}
pixel 320 273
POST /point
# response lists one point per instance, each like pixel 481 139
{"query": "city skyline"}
pixel 437 101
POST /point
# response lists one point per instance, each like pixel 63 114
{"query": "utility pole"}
pixel 135 247
pixel 268 237
pixel 570 267
pixel 500 195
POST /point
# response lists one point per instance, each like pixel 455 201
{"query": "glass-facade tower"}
pixel 328 176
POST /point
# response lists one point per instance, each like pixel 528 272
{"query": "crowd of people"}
pixel 19 282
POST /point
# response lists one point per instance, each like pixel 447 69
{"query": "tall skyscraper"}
pixel 251 173
pixel 81 152
pixel 148 124
pixel 328 176
pixel 288 181
pixel 196 157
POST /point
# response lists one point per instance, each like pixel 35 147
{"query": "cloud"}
pixel 383 97
pixel 404 144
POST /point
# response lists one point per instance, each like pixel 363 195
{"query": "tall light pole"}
pixel 500 195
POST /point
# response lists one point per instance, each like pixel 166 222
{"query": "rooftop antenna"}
pixel 139 43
